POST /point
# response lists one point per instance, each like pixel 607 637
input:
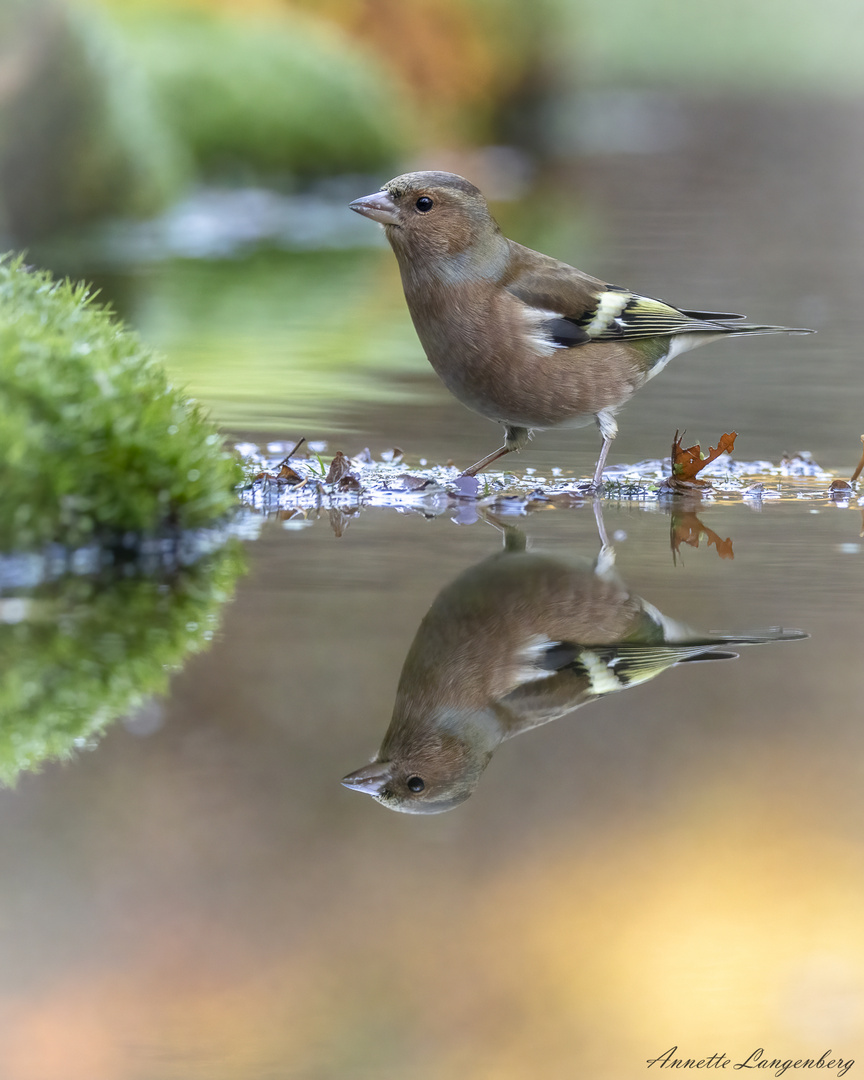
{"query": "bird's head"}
pixel 405 789
pixel 427 769
pixel 431 216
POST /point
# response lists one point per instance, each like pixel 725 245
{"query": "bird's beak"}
pixel 378 206
pixel 371 778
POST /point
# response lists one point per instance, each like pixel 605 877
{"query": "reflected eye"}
pixel 424 205
pixel 415 784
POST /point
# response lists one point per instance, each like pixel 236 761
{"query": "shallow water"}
pixel 677 864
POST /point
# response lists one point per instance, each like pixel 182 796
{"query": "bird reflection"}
pixel 516 641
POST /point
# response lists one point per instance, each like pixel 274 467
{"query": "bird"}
pixel 519 337
pixel 518 640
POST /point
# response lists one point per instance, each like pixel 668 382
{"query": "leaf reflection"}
pixel 520 639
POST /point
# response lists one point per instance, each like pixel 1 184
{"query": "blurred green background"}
pixel 193 159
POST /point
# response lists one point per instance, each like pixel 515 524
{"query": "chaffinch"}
pixel 517 336
pixel 516 641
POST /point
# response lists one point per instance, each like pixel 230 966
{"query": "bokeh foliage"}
pixel 453 64
pixel 109 106
pixel 269 95
pixel 94 439
pixel 79 136
pixel 113 113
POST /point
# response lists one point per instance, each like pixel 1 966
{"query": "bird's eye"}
pixel 415 784
pixel 424 204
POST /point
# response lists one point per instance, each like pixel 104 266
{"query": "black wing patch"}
pixel 558 655
pixel 565 332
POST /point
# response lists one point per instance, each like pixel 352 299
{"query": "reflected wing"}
pixel 567 676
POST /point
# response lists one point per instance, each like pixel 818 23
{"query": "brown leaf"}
pixel 288 475
pixel 349 483
pixel 340 466
pixel 686 463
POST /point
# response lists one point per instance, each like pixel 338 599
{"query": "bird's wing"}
pixel 616 667
pixel 621 315
pixel 582 308
pixel 541 701
pixel 568 675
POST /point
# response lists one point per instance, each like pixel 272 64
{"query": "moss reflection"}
pixel 82 651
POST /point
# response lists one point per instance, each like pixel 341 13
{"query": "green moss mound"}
pixel 81 652
pixel 94 440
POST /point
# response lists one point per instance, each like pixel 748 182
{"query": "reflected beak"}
pixel 378 206
pixel 371 778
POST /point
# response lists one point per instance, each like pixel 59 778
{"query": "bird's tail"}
pixel 742 329
pixel 660 629
pixel 730 322
pixel 759 637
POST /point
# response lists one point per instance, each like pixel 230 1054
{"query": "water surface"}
pixel 680 864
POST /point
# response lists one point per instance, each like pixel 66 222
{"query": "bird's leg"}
pixel 597 482
pixel 606 559
pixel 601 527
pixel 514 439
pixel 608 429
pixel 483 462
pixel 515 541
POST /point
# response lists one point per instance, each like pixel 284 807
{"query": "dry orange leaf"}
pixel 686 463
